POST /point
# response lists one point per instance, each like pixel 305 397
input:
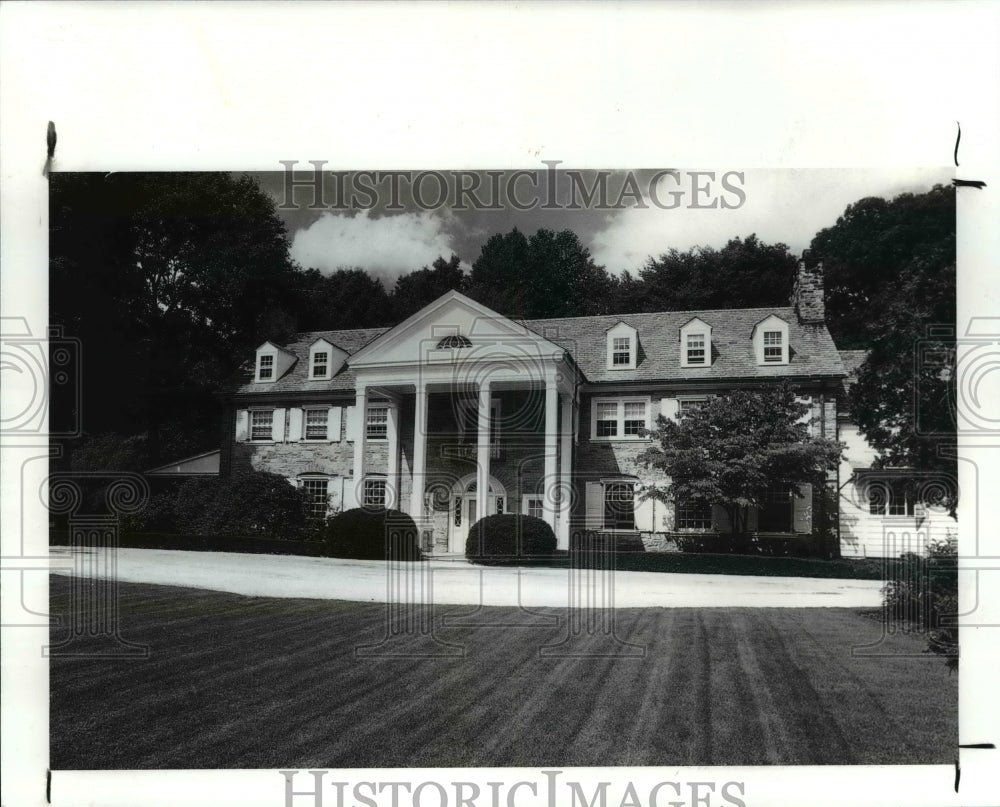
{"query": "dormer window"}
pixel 623 347
pixel 774 350
pixel 621 351
pixel 324 360
pixel 265 368
pixel 321 364
pixel 696 344
pixel 696 348
pixel 770 341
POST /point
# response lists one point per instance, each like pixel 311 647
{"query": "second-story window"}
pixel 377 424
pixel 265 368
pixel 261 421
pixel 316 420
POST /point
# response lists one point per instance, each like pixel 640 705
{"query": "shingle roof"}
pixel 852 360
pixel 812 350
pixel 297 378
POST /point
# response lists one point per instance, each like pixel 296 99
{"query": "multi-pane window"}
pixel 890 499
pixel 607 419
pixel 321 364
pixel 316 420
pixel 533 506
pixel 377 424
pixel 635 418
pixel 621 351
pixel 696 348
pixel 773 347
pixel 775 513
pixel 690 404
pixel 623 419
pixel 619 506
pixel 316 492
pixel 265 369
pixel 694 516
pixel 260 424
pixel 374 493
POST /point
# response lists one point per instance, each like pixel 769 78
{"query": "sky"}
pixel 366 223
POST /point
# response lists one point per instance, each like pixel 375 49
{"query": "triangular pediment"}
pixel 454 328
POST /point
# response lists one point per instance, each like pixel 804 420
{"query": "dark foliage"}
pixel 787 546
pixel 923 592
pixel 372 534
pixel 509 538
pixel 252 503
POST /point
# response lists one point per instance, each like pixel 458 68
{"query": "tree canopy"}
pixel 548 274
pixel 730 451
pixel 745 273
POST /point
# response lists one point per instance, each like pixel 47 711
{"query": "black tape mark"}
pixel 958 774
pixel 978 184
pixel 978 745
pixel 48 785
pixel 50 148
pixel 957 141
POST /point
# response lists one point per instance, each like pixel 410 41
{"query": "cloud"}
pixel 783 206
pixel 386 246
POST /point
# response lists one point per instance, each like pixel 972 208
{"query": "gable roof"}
pixel 813 352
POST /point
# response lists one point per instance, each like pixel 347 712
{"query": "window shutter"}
pixel 278 426
pixel 333 424
pixel 644 512
pixel 594 516
pixel 242 425
pixel 802 510
pixel 353 424
pixel 669 408
pixel 294 425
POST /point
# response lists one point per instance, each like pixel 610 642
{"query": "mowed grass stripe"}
pixel 254 682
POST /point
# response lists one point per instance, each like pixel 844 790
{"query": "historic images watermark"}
pixel 549 188
pixel 557 791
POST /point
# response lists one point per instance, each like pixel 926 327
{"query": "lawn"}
pixel 250 682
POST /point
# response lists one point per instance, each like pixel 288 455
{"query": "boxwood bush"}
pixel 372 534
pixel 509 539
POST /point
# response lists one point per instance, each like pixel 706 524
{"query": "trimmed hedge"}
pixel 246 544
pixel 509 539
pixel 372 534
pixel 786 546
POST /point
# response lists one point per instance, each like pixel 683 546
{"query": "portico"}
pixel 466 393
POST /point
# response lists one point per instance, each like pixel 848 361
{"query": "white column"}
pixel 392 438
pixel 565 470
pixel 483 452
pixel 551 435
pixel 419 452
pixel 361 404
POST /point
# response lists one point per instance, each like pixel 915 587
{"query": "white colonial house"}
pixel 459 412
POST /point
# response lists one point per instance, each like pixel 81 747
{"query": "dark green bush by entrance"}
pixel 509 539
pixel 372 534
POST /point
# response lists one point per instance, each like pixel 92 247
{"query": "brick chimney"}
pixel 807 294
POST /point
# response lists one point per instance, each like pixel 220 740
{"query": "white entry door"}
pixel 463 509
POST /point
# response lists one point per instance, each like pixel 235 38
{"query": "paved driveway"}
pixel 459 583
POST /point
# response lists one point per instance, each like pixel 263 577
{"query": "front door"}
pixel 463 510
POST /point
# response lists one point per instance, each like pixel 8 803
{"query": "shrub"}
pixel 509 538
pixel 924 592
pixel 252 503
pixel 372 534
pixel 790 546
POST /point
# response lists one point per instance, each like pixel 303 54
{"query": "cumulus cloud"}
pixel 386 246
pixel 787 206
